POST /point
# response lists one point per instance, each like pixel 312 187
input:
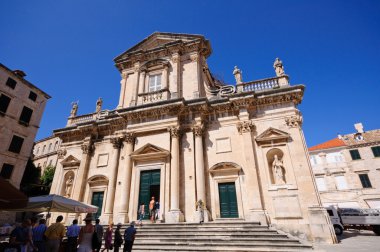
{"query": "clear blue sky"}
pixel 333 47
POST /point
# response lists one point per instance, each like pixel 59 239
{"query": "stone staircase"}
pixel 213 236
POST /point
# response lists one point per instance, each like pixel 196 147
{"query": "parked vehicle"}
pixel 344 218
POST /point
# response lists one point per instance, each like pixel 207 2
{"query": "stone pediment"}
pixel 70 161
pixel 225 168
pixel 272 135
pixel 149 152
pixel 160 39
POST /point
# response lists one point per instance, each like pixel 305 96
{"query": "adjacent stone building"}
pixel 347 169
pixel 181 136
pixel 45 152
pixel 21 108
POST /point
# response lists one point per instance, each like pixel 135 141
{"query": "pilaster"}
pixel 123 84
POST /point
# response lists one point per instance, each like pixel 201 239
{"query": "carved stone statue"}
pixel 99 104
pixel 278 67
pixel 278 171
pixel 74 109
pixel 69 186
pixel 238 75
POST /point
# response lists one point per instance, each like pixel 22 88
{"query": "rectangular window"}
pixel 32 96
pixel 16 144
pixel 364 179
pixel 11 83
pixel 26 114
pixel 355 155
pixel 6 171
pixel 4 103
pixel 376 151
pixel 321 184
pixel 341 183
pixel 154 82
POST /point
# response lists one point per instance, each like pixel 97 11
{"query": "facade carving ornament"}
pixel 198 130
pixel 116 142
pixel 294 120
pixel 238 75
pixel 175 58
pixel 174 131
pixel 124 75
pixel 87 148
pixel 278 67
pixel 194 57
pixel 61 153
pixel 129 137
pixel 245 126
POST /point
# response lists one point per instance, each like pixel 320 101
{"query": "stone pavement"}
pixel 353 240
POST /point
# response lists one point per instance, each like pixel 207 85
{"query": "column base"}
pixel 258 215
pixel 174 216
pixel 198 216
pixel 106 218
pixel 121 218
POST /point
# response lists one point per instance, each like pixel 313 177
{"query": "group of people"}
pixel 30 236
pixel 154 211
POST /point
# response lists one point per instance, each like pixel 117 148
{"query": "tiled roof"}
pixel 333 143
pixel 371 136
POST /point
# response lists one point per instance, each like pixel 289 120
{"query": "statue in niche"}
pixel 238 75
pixel 69 186
pixel 74 109
pixel 278 171
pixel 99 103
pixel 278 67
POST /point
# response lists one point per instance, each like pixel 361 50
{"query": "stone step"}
pixel 220 236
pixel 218 240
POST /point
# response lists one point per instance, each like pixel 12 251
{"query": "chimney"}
pixel 359 127
pixel 19 73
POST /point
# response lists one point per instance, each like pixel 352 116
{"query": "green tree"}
pixel 47 176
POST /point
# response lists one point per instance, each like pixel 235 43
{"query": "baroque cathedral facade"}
pixel 182 136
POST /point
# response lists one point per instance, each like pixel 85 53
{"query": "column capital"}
pixel 176 57
pixel 61 153
pixel 116 142
pixel 198 130
pixel 175 131
pixel 129 137
pixel 124 76
pixel 87 148
pixel 294 120
pixel 245 126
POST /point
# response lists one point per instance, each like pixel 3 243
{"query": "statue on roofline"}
pixel 74 109
pixel 238 75
pixel 278 67
pixel 99 103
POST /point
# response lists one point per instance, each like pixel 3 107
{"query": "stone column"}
pixel 123 83
pixel 124 177
pixel 176 59
pixel 175 214
pixel 116 142
pixel 81 176
pixel 253 186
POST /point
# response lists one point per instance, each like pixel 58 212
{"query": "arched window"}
pixel 43 149
pixel 38 150
pixel 56 145
pixel 50 147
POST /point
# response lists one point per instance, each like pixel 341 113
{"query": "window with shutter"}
pixel 376 151
pixel 321 184
pixel 16 144
pixel 4 103
pixel 341 183
pixel 26 114
pixel 355 155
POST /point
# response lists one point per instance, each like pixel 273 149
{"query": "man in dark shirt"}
pixel 118 238
pixel 129 237
pixel 99 232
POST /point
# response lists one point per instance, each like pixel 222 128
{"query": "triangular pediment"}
pixel 160 39
pixel 150 151
pixel 70 161
pixel 272 134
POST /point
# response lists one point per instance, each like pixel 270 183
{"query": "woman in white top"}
pixel 85 236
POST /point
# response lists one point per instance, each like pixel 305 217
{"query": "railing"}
pixel 154 96
pixel 263 84
pixel 82 119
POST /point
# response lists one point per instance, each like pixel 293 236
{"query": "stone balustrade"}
pixel 81 119
pixel 159 95
pixel 263 84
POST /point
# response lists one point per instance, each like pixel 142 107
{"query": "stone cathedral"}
pixel 181 135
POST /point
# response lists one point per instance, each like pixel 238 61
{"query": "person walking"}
pixel 54 234
pixel 118 239
pixel 72 236
pixel 141 213
pixel 151 209
pixel 99 232
pixel 38 235
pixel 108 238
pixel 156 210
pixel 129 237
pixel 85 235
pixel 19 237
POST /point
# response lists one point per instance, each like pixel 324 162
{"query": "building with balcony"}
pixel 21 108
pixel 178 134
pixel 347 169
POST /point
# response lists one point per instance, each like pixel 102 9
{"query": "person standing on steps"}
pixel 54 234
pixel 38 235
pixel 129 237
pixel 118 239
pixel 141 213
pixel 99 233
pixel 85 235
pixel 151 209
pixel 156 210
pixel 108 238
